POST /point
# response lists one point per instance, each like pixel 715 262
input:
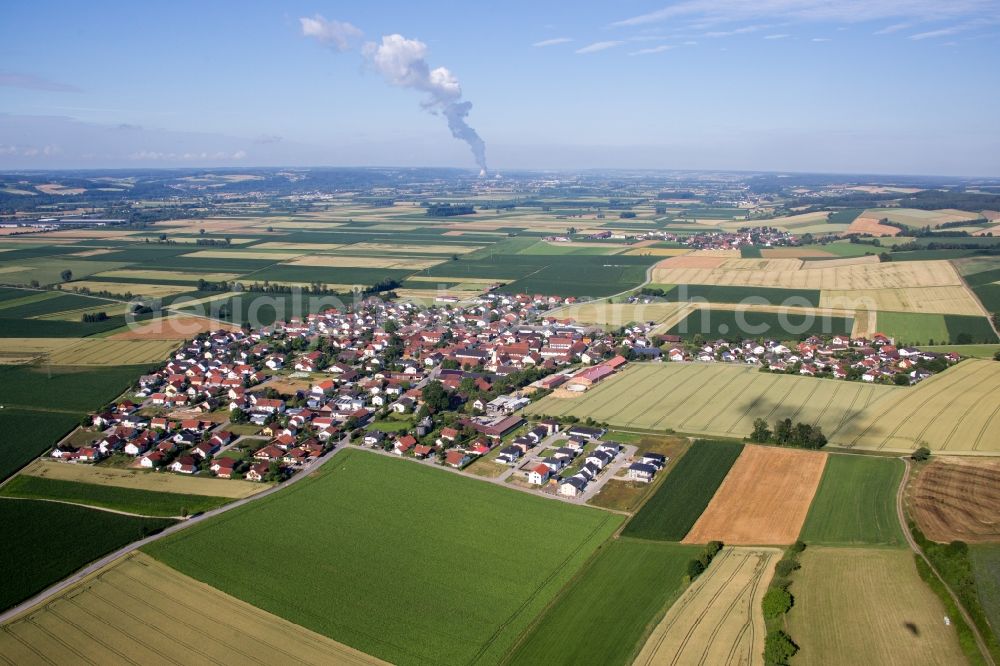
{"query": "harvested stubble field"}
pixel 856 503
pixel 796 252
pixel 139 289
pixel 686 398
pixel 718 619
pixel 867 606
pixel 107 617
pixel 956 411
pixel 956 499
pixel 172 276
pixel 763 500
pixel 873 226
pixel 136 479
pixel 106 351
pixel 915 217
pixel 242 254
pixel 375 589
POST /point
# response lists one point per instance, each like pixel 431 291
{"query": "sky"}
pixel 845 86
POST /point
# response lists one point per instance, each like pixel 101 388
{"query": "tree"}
pixel 694 568
pixel 761 433
pixel 238 416
pixel 786 566
pixel 921 454
pixel 66 275
pixel 776 602
pixel 778 648
pixel 901 379
pixel 436 397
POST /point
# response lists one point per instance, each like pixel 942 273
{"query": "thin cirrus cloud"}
pixel 552 42
pixel 843 11
pixel 599 46
pixel 821 39
pixel 780 36
pixel 655 49
pixel 32 82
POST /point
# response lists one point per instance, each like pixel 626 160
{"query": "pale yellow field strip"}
pixel 22 350
pixel 657 252
pixel 108 618
pixel 185 301
pixel 918 218
pixel 865 324
pixel 152 290
pixel 465 280
pixel 847 261
pixel 241 254
pixel 86 233
pixel 145 480
pixel 110 308
pixel 153 275
pixel 357 261
pixel 718 619
pixel 308 247
pixel 304 224
pixel 814 275
pixel 92 253
pixel 619 314
pixel 13 269
pixel 729 254
pixel 763 264
pixel 944 300
pixel 399 248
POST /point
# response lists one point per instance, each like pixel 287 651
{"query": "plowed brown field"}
pixel 957 499
pixel 763 500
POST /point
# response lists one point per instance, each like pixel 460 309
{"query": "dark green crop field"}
pixel 603 614
pixel 757 295
pixel 410 564
pixel 669 514
pixel 28 433
pixel 130 500
pixel 732 324
pixel 49 541
pixel 855 503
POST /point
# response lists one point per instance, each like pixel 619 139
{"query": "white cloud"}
pixel 655 49
pixel 821 39
pixel 552 42
pixel 339 35
pixel 745 30
pixel 600 46
pixel 895 27
pixel 942 32
pixel 402 62
pixel 781 36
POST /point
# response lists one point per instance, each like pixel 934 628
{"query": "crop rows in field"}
pixel 109 618
pixel 751 322
pixel 386 520
pixel 682 497
pixel 715 399
pixel 50 540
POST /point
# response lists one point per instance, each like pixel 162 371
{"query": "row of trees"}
pixel 786 433
pixel 778 645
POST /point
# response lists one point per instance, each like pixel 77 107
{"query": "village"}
pixel 744 237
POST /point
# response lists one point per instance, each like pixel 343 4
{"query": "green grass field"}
pixel 728 294
pixel 131 500
pixel 973 351
pixel 855 503
pixel 603 615
pixel 683 495
pixel 404 562
pixel 49 541
pixel 912 328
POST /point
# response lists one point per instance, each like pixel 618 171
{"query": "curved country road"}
pixel 900 495
pixel 53 590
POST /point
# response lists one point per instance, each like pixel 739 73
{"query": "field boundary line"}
pixel 88 506
pixel 901 514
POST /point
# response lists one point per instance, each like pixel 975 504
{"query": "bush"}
pixel 776 602
pixel 921 454
pixel 695 568
pixel 798 546
pixel 778 648
pixel 785 567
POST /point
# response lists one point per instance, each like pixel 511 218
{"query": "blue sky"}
pixel 881 86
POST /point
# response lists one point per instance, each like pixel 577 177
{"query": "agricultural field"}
pixel 855 503
pixel 913 217
pixel 488 531
pixel 986 573
pixel 128 500
pixel 754 321
pixel 867 606
pixel 957 411
pixel 615 315
pixel 718 619
pixel 685 397
pixel 85 351
pixel 26 433
pixel 604 614
pixel 89 620
pixel 144 480
pixel 620 494
pixel 764 498
pixel 750 295
pixel 68 536
pixel 683 495
pixel 957 499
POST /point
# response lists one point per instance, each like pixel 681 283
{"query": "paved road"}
pixel 108 559
pixel 901 513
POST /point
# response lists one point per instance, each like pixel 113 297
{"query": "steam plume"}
pixel 403 62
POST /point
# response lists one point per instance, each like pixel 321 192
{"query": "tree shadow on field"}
pixel 763 406
pixel 912 628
